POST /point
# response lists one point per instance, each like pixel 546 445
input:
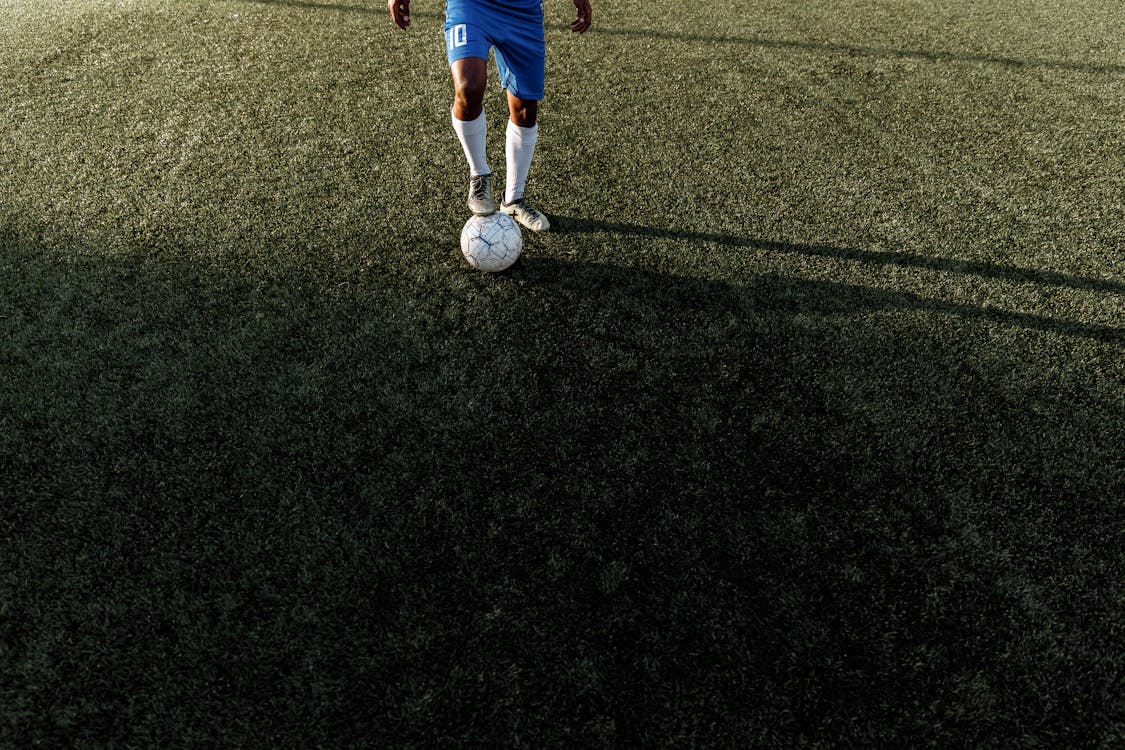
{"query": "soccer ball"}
pixel 491 243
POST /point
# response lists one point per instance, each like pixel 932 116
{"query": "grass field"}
pixel 804 428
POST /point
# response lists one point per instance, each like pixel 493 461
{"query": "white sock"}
pixel 472 134
pixel 519 147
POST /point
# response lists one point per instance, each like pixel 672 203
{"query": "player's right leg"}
pixel 469 80
pixel 467 47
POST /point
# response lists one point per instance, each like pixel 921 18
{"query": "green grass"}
pixel 805 427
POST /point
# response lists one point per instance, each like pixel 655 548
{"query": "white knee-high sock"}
pixel 519 147
pixel 473 137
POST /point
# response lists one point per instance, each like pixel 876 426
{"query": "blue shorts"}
pixel 513 28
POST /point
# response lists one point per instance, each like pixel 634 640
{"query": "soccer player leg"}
pixel 519 148
pixel 467 52
pixel 521 64
pixel 469 75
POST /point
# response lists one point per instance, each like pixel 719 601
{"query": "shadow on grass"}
pixel 761 42
pixel 864 297
pixel 373 9
pixel 850 50
pixel 576 503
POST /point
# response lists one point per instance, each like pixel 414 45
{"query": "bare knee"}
pixel 469 82
pixel 523 111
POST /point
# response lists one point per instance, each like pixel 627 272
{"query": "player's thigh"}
pixel 470 78
pixel 465 41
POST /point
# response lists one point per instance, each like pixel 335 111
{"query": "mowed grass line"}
pixel 804 427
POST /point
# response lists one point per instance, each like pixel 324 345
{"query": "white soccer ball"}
pixel 491 243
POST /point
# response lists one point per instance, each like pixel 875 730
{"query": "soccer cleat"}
pixel 481 201
pixel 526 214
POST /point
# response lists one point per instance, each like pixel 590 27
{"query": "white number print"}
pixel 457 36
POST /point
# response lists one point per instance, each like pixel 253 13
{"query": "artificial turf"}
pixel 803 427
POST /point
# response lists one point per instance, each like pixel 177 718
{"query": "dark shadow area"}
pixel 372 9
pixel 762 42
pixel 868 298
pixel 371 505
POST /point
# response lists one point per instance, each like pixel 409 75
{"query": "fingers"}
pixel 400 12
pixel 585 17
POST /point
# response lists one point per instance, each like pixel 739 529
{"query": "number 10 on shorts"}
pixel 457 36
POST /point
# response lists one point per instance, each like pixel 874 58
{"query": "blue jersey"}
pixel 512 29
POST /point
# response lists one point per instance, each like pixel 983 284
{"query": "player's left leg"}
pixel 519 148
pixel 521 62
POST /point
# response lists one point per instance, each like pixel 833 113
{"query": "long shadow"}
pixel 375 10
pixel 869 51
pixel 852 295
pixel 766 43
pixel 879 257
pixel 382 11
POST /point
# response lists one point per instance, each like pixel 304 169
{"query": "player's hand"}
pixel 400 12
pixel 585 16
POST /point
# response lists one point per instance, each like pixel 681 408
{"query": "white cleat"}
pixel 526 214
